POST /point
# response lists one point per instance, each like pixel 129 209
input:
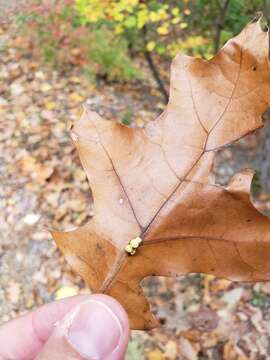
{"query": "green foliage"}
pixel 238 14
pixel 50 27
pixel 131 19
pixel 258 299
pixel 105 36
pixel 126 117
pixel 110 53
pixel 60 38
pixel 168 27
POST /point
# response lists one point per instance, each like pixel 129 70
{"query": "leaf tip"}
pixel 150 322
pixel 153 323
pixel 258 17
pixel 260 22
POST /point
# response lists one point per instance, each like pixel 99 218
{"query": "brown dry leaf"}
pixel 229 352
pixel 170 350
pixel 155 355
pixel 155 183
pixel 14 291
pixel 30 166
pixel 187 350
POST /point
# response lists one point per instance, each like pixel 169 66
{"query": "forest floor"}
pixel 43 186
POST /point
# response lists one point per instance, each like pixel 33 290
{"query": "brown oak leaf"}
pixel 155 183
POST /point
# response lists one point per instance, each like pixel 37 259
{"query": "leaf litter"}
pixel 34 125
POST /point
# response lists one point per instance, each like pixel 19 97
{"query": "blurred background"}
pixel 115 56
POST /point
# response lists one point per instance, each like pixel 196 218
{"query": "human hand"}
pixel 81 327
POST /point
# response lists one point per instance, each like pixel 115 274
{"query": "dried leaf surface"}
pixel 155 183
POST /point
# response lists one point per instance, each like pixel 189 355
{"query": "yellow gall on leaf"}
pixel 135 243
pixel 129 249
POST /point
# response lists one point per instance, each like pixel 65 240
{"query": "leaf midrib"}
pixel 116 267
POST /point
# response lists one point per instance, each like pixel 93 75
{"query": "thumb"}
pixel 97 328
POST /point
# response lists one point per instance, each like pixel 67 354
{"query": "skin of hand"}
pixel 80 327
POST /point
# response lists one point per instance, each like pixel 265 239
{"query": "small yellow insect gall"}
pixel 129 248
pixel 135 243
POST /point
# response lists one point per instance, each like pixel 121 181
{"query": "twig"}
pixel 153 68
pixel 220 23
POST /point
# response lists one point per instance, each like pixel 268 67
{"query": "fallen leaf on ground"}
pixel 187 350
pixel 65 292
pixel 170 350
pixel 155 355
pixel 14 291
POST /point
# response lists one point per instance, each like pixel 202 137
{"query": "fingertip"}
pixel 98 328
pixel 95 328
pixel 116 307
pixel 23 338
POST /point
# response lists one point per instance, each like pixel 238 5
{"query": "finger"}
pixel 24 337
pixel 95 329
